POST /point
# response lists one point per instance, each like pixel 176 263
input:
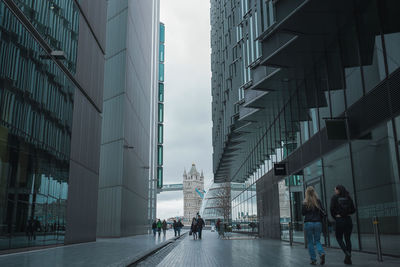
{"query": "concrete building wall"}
pixel 86 127
pixel 126 130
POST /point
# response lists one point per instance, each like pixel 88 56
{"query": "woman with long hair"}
pixel 312 211
pixel 342 207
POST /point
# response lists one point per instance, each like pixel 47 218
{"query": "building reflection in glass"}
pixel 36 102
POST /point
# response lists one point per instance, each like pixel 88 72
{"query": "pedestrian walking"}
pixel 175 226
pixel 313 212
pixel 164 227
pixel 342 206
pixel 200 225
pixel 218 225
pixel 179 228
pixel 193 228
pixel 154 228
pixel 159 225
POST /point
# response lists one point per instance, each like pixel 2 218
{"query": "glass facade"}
pixel 36 104
pixel 282 115
pixel 161 107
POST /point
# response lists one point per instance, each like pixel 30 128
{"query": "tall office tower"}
pixel 51 85
pixel 129 132
pixel 193 193
pixel 313 85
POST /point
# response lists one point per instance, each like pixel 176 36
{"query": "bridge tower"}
pixel 193 182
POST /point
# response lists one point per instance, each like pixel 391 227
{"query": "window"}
pixel 161 72
pixel 160 155
pixel 159 177
pixel 162 33
pixel 377 186
pixel 267 14
pixel 160 112
pixel 161 92
pixel 160 133
pixel 162 48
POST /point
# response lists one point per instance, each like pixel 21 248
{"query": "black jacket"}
pixel 337 209
pixel 313 214
pixel 200 223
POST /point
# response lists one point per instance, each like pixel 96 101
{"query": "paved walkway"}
pixel 103 252
pixel 245 251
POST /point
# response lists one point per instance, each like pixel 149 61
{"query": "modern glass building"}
pixel 314 85
pixel 49 121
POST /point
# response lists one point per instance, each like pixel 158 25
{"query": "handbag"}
pixel 190 232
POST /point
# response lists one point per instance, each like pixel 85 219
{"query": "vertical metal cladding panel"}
pixel 83 179
pixel 90 64
pixel 268 206
pixel 96 15
pixel 82 205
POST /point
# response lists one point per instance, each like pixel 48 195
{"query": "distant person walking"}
pixel 342 206
pixel 164 227
pixel 154 228
pixel 193 228
pixel 159 226
pixel 312 211
pixel 179 228
pixel 200 225
pixel 218 225
pixel 30 229
pixel 175 225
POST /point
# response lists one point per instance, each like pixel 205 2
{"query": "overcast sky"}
pixel 187 136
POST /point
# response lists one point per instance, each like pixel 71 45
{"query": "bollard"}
pixel 375 225
pixel 290 234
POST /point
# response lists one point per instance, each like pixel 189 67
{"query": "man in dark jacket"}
pixel 154 228
pixel 200 225
pixel 179 227
pixel 175 225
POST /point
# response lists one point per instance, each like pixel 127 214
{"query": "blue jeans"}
pixel 179 231
pixel 313 233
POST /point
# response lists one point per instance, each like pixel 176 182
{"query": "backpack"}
pixel 346 206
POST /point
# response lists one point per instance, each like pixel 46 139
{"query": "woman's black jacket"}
pixel 313 214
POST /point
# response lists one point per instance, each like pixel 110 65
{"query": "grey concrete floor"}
pixel 245 251
pixel 240 250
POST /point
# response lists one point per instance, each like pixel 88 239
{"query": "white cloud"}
pixel 187 136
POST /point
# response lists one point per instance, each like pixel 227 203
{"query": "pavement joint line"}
pixel 152 251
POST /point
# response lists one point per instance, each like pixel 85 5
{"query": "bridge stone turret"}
pixel 193 182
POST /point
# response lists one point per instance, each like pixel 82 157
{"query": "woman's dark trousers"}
pixel 344 227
